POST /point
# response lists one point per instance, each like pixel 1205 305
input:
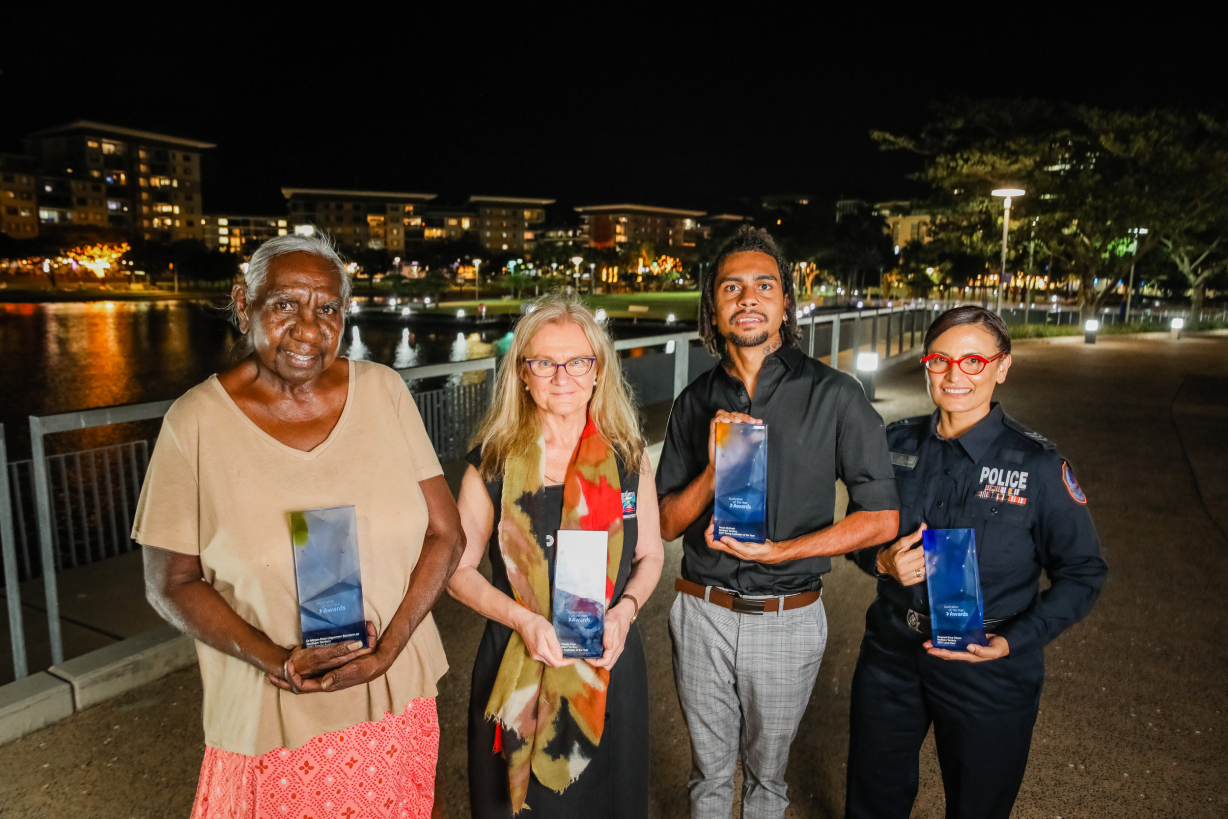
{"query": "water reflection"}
pixel 57 357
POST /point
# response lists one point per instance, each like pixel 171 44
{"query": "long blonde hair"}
pixel 512 421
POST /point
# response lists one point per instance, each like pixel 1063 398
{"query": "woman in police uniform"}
pixel 969 465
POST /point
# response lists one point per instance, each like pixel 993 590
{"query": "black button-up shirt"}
pixel 1020 496
pixel 820 428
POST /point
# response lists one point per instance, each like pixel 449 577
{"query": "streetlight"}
pixel 1006 193
pixel 577 261
pixel 1089 331
pixel 477 278
pixel 1174 331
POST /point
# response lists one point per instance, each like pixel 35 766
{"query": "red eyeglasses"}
pixel 973 364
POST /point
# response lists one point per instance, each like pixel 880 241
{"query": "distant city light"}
pixel 460 313
pixel 601 315
pixel 670 319
pixel 405 311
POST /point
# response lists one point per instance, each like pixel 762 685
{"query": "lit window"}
pixel 227 222
pixel 176 208
pixel 91 143
pixel 465 224
pixel 281 231
pixel 433 233
pixel 280 223
pixel 452 222
pixel 223 231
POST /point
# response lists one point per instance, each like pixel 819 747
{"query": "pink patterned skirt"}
pixel 374 769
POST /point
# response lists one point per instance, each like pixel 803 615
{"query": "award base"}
pixel 959 640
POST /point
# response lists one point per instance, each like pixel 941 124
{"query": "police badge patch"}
pixel 1072 486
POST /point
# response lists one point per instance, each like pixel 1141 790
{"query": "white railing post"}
pixel 12 589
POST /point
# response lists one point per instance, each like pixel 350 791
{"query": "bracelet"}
pixel 636 613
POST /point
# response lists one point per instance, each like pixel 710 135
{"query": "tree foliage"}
pixel 1104 187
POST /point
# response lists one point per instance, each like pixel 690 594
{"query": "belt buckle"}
pixel 914 621
pixel 743 606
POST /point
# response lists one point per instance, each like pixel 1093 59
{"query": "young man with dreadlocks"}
pixel 748 625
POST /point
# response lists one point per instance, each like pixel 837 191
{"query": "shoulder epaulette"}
pixel 909 422
pixel 1035 437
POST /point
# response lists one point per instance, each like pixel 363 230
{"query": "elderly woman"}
pixel 559 450
pixel 339 730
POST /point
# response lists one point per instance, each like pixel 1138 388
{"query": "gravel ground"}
pixel 1132 720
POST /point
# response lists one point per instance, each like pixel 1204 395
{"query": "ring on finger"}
pixel 920 572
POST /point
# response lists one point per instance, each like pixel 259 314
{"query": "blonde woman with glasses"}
pixel 560 449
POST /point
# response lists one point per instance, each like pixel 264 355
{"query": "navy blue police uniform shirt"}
pixel 820 428
pixel 1012 487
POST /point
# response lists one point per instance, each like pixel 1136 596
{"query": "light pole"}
pixel 477 277
pixel 577 261
pixel 1006 194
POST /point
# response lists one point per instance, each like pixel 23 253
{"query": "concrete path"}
pixel 1133 717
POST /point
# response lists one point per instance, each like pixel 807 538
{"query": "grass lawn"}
pixel 683 306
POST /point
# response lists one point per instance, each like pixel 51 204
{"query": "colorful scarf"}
pixel 551 718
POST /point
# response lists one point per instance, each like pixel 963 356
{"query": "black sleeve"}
pixel 679 465
pixel 862 459
pixel 475 457
pixel 1069 550
pixel 866 559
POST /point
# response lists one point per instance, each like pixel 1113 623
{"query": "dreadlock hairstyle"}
pixel 747 239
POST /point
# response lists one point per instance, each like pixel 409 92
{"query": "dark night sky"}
pixel 684 108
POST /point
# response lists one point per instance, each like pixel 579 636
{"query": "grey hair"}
pixel 319 244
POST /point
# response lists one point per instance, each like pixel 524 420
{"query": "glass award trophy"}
pixel 329 583
pixel 957 614
pixel 740 510
pixel 579 592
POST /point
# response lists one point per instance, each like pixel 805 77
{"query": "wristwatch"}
pixel 636 613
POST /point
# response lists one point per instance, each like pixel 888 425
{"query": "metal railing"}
pixel 83 502
pixel 93 499
pixel 8 550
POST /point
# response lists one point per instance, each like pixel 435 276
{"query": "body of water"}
pixel 57 357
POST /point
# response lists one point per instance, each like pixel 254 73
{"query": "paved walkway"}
pixel 1133 717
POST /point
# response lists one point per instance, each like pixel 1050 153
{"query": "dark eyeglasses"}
pixel 970 364
pixel 545 368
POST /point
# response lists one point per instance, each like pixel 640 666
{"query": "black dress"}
pixel 615 783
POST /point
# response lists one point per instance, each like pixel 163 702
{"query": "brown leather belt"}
pixel 743 605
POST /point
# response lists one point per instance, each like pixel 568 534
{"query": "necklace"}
pixel 552 480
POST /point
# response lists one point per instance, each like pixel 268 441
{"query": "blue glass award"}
pixel 957 614
pixel 740 510
pixel 329 580
pixel 579 592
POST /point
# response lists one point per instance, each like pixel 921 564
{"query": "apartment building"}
pixel 232 232
pixel 664 228
pixel 18 197
pixel 904 223
pixel 357 220
pixel 506 223
pixel 141 183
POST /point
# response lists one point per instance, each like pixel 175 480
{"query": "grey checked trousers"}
pixel 743 681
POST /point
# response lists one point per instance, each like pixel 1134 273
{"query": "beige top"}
pixel 221 488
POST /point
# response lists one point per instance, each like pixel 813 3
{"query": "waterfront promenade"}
pixel 1133 717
